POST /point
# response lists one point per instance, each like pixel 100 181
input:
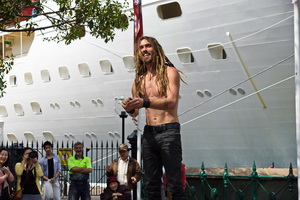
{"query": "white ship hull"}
pixel 222 128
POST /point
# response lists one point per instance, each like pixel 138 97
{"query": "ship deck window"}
pixel 15 43
pixel 29 137
pixel 106 66
pixel 217 51
pixel 64 73
pixel 13 80
pixel 36 109
pixel 169 10
pixel 84 70
pixel 19 109
pixel 49 136
pixel 45 75
pixel 3 111
pixel 12 138
pixel 129 63
pixel 185 55
pixel 28 78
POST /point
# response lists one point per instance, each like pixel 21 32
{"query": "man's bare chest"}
pixel 151 87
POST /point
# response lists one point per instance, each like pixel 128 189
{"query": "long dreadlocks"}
pixel 160 63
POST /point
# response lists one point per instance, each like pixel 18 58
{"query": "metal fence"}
pixel 253 186
pixel 200 186
pixel 101 155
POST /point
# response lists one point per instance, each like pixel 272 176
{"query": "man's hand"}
pixel 108 168
pixel 132 103
pixel 133 180
pixel 116 195
pixel 125 103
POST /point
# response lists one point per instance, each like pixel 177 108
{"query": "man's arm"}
pixel 82 170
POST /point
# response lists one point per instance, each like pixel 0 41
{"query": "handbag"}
pixel 48 190
pixel 6 193
pixel 18 195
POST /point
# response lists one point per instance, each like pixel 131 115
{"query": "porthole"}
pixel 207 93
pixel 185 55
pixel 36 109
pixel 52 106
pixel 232 91
pixel 19 109
pixel 28 78
pixel 84 70
pixel 3 111
pixel 199 93
pixel 57 105
pixel 129 63
pixel 45 75
pixel 13 80
pixel 77 104
pixel 241 91
pixel 99 101
pixel 94 102
pixel 217 51
pixel 64 73
pixel 169 10
pixel 106 66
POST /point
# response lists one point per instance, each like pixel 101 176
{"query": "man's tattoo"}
pixel 166 105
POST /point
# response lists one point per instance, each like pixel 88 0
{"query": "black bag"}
pixel 6 193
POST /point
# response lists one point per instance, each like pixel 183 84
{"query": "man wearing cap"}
pixel 126 169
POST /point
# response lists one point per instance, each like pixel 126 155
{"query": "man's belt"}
pixel 162 127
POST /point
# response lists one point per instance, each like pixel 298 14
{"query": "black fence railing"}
pixel 201 186
pixel 101 155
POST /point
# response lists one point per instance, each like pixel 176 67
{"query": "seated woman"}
pixel 115 191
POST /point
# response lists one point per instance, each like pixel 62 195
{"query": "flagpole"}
pixel 138 32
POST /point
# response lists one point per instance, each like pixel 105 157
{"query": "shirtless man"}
pixel 156 88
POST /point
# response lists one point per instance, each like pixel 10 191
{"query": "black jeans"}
pixel 161 146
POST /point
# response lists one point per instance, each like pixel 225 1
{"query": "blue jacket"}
pixel 57 166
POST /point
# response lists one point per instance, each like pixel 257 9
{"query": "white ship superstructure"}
pixel 69 92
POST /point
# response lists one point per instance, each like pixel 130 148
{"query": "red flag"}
pixel 138 21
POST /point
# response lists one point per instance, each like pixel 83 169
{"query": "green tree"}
pixel 71 19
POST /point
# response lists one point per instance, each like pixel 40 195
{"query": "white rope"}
pixel 238 39
pixel 217 109
pixel 274 65
pixel 116 52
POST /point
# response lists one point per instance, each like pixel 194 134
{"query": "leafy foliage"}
pixel 71 19
pixel 5 67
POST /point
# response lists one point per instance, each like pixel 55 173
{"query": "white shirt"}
pixel 122 171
